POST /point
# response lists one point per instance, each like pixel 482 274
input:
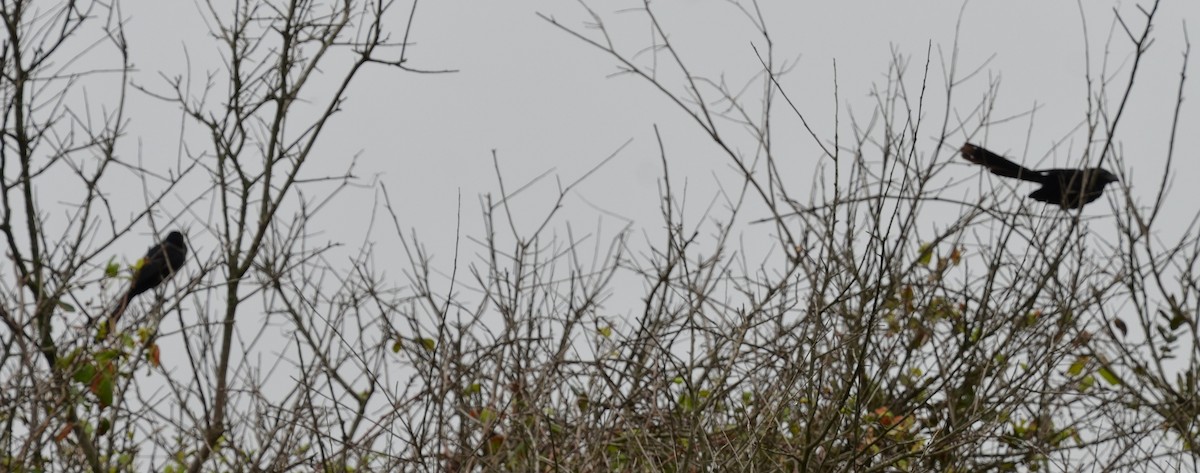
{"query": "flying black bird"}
pixel 160 263
pixel 1067 188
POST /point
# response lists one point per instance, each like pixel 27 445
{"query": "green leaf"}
pixel 397 345
pixel 1109 376
pixel 1062 435
pixel 429 343
pixel 104 390
pixel 105 356
pixel 1032 317
pixel 112 269
pixel 84 374
pixel 64 362
pixel 1078 366
pixel 605 331
pixel 1087 382
pixel 686 402
pixel 101 330
pixel 926 254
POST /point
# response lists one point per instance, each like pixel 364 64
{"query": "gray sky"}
pixel 544 100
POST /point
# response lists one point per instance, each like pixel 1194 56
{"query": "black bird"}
pixel 160 263
pixel 1067 188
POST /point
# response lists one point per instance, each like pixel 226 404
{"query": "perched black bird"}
pixel 160 263
pixel 1068 188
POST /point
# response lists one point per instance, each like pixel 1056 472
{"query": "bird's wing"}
pixel 155 267
pixel 999 165
pixel 152 272
pixel 155 251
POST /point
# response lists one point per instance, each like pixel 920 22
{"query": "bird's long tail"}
pixel 999 165
pixel 122 304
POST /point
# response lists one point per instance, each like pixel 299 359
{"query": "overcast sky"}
pixel 544 100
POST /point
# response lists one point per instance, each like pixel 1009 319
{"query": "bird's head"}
pixel 174 238
pixel 1105 177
